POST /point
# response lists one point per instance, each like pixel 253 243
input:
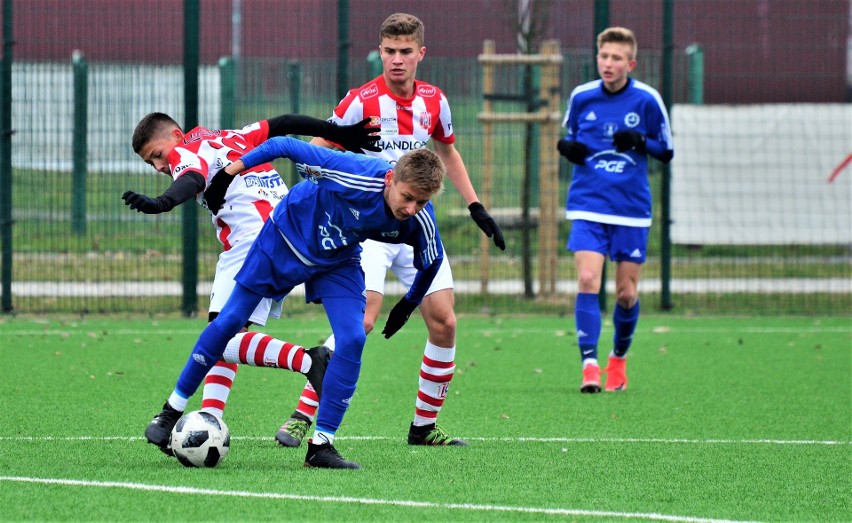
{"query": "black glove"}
pixel 487 224
pixel 398 316
pixel 142 203
pixel 355 137
pixel 627 140
pixel 215 193
pixel 575 152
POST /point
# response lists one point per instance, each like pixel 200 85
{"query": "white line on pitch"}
pixel 661 329
pixel 364 501
pixel 673 441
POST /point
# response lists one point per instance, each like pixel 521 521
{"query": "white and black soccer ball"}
pixel 200 439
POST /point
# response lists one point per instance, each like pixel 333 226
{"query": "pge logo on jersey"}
pixel 611 166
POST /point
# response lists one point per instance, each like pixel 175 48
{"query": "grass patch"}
pixel 738 418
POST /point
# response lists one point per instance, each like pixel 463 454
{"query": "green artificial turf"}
pixel 733 418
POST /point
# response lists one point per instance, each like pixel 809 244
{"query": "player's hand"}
pixel 214 195
pixel 141 203
pixel 398 316
pixel 355 137
pixel 628 140
pixel 487 224
pixel 574 151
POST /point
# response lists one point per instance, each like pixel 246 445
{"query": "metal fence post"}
pixel 601 22
pixel 666 185
pixel 189 218
pixel 374 63
pixel 80 145
pixel 342 48
pixel 695 74
pixel 294 80
pixel 6 157
pixel 227 101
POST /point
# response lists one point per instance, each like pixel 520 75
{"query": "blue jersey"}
pixel 340 203
pixel 612 187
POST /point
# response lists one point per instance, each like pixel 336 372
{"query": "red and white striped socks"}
pixel 257 350
pixel 436 372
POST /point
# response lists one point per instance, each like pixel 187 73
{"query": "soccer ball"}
pixel 200 439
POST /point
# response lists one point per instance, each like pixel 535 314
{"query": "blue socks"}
pixel 338 386
pixel 624 321
pixel 213 340
pixel 587 315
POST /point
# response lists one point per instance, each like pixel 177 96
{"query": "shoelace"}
pixel 297 428
pixel 329 449
pixel 437 435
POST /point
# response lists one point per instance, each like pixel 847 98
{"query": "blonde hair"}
pixel 620 35
pixel 423 169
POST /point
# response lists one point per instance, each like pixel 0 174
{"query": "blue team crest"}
pixel 631 119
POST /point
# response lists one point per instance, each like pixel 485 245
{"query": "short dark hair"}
pixel 151 126
pixel 403 24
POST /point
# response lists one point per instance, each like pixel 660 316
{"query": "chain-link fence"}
pixel 760 187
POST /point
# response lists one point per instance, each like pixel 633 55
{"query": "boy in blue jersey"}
pixel 613 125
pixel 313 237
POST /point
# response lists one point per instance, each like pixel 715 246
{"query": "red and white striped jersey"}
pixel 251 196
pixel 406 124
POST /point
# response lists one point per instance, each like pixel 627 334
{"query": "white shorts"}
pixel 378 257
pixel 227 267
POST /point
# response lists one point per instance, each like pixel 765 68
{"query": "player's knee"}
pixel 627 298
pixel 588 281
pixel 443 328
pixel 350 342
pixel 228 323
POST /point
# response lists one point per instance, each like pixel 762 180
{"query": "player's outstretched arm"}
pixel 356 137
pixel 183 189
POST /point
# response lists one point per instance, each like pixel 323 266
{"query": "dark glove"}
pixel 398 316
pixel 355 137
pixel 575 152
pixel 215 193
pixel 487 224
pixel 627 140
pixel 141 203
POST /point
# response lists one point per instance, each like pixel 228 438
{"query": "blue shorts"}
pixel 619 242
pixel 272 270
